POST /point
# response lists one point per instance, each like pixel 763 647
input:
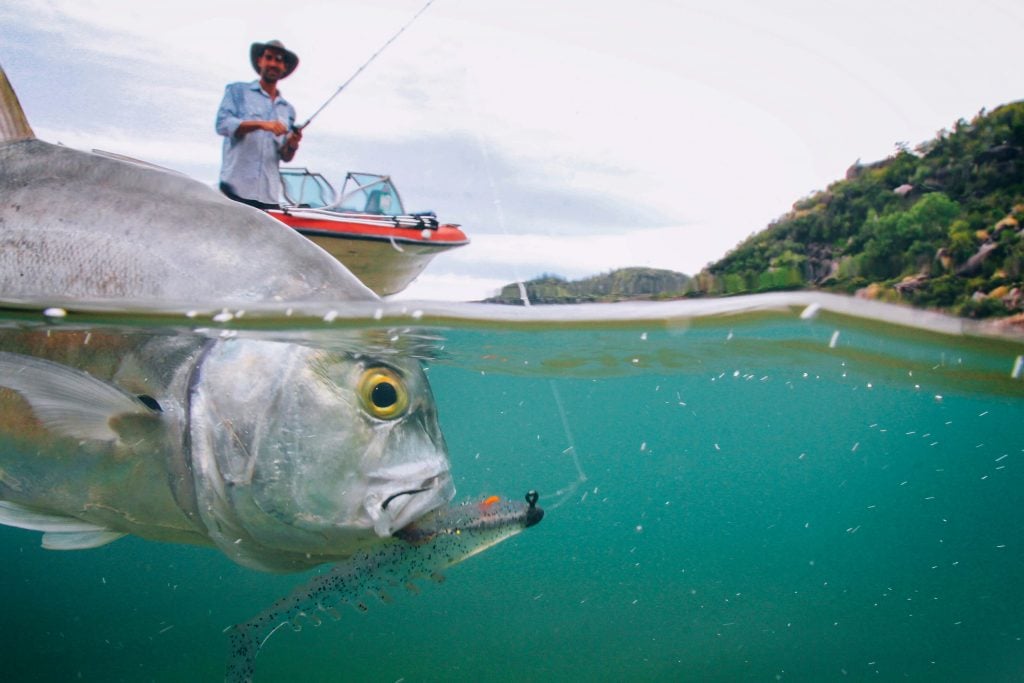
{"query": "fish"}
pixel 282 455
pixel 95 227
pixel 421 551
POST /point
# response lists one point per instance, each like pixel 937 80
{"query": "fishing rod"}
pixel 365 64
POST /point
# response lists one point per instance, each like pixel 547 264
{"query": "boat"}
pixel 365 226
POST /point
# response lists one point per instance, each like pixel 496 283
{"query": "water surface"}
pixel 734 491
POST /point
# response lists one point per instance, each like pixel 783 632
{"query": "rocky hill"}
pixel 938 226
pixel 627 284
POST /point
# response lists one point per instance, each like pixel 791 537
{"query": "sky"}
pixel 567 137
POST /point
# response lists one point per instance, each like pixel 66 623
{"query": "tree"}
pixel 902 242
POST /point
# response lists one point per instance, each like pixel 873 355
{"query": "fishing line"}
pixel 565 492
pixel 581 476
pixel 365 64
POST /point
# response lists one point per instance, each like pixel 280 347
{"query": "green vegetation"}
pixel 620 285
pixel 939 227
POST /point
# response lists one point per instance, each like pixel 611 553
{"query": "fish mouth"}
pixel 387 501
pixel 391 507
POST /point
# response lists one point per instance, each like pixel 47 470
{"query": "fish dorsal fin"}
pixel 13 122
pixel 59 532
pixel 69 401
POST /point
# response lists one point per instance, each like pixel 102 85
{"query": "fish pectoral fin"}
pixel 79 540
pixel 59 532
pixel 67 400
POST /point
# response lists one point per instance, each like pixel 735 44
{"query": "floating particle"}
pixel 810 312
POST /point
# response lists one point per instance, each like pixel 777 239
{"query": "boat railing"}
pixel 426 220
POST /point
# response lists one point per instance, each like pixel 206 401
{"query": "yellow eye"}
pixel 383 393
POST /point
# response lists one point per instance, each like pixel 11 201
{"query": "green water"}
pixel 765 498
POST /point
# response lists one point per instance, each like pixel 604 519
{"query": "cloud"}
pixel 466 181
pixel 549 133
pixel 491 261
pixel 431 286
pixel 176 156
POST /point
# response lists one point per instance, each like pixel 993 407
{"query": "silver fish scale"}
pixel 81 226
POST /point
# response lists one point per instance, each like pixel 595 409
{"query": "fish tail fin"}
pixel 13 122
pixel 244 644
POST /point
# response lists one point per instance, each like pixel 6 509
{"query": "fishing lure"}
pixel 421 550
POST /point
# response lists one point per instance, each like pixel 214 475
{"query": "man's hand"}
pixel 246 127
pixel 275 127
pixel 291 144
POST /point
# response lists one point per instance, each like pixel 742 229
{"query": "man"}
pixel 257 125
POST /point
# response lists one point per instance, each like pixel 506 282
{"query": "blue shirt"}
pixel 250 163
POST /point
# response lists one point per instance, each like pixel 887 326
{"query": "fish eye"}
pixel 383 393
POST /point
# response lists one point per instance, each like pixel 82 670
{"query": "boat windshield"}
pixel 305 189
pixel 370 193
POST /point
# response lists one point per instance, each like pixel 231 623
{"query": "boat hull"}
pixel 384 257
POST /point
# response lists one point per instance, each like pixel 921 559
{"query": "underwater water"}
pixel 732 493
